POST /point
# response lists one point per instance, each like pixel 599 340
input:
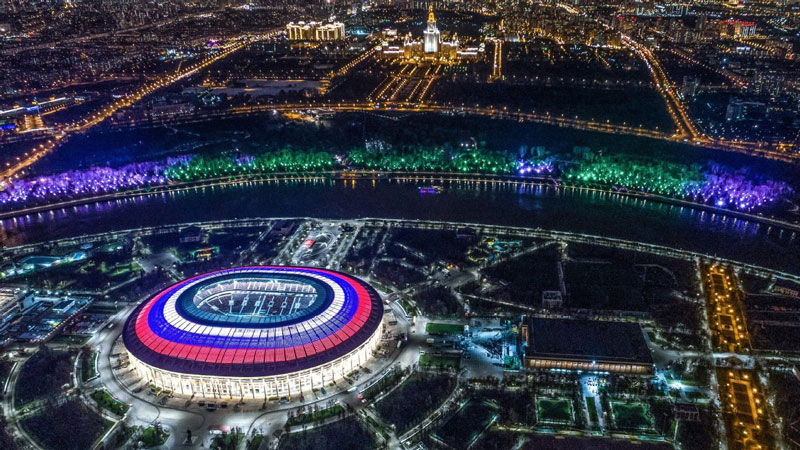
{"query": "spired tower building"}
pixel 432 35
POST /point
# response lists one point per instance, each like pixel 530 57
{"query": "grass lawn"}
pixel 384 384
pixel 121 270
pixel 410 402
pixel 88 370
pixel 70 340
pixel 696 396
pixel 149 438
pixel 378 427
pixel 107 402
pixel 557 410
pixel 441 361
pixel 408 307
pixel 101 309
pixel 226 441
pixel 255 442
pixel 70 425
pixel 443 329
pixel 45 374
pixel 126 435
pixel 345 434
pixel 690 380
pixel 590 405
pixel 317 416
pixel 468 424
pixel 631 415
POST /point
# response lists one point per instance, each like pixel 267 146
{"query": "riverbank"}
pixel 412 177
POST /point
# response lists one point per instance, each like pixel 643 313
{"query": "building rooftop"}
pixel 254 321
pixel 587 340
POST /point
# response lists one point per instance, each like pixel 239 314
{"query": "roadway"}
pixel 536 233
pixel 180 413
pixel 676 109
pixel 9 410
pixel 687 133
pixel 755 149
pixel 174 415
pixel 59 136
pixel 90 37
pixel 378 100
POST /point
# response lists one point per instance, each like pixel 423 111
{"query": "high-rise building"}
pixel 432 35
pixel 329 31
pixel 31 122
pixel 689 87
pixel 430 47
pixel 300 31
pixel 739 28
pixel 739 109
pixel 315 31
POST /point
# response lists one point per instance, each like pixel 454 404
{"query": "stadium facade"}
pixel 254 332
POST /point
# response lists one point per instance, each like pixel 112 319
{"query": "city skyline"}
pixel 400 224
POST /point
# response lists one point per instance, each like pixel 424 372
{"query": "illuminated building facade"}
pixel 315 31
pixel 432 36
pixel 254 332
pixel 31 122
pixel 430 48
pixel 329 31
pixel 299 31
pixel 738 28
pixel 585 345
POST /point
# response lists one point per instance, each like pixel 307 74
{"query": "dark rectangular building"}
pixel 588 345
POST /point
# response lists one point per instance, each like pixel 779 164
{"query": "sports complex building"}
pixel 254 332
pixel 585 345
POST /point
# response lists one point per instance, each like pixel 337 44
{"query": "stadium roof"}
pixel 253 321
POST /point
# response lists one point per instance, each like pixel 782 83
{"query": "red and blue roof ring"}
pixel 169 333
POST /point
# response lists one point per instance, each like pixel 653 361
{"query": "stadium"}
pixel 254 332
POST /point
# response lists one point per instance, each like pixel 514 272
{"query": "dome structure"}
pixel 254 331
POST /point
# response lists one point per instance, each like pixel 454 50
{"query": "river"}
pixel 575 210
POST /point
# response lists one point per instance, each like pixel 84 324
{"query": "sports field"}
pixel 631 415
pixel 553 410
